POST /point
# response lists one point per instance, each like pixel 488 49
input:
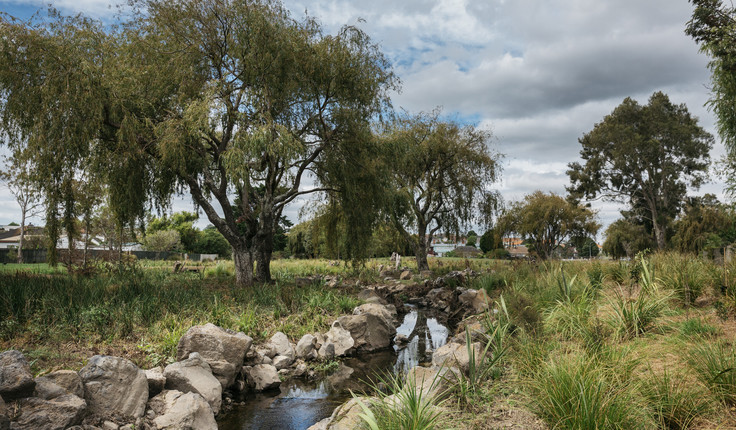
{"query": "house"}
pixel 11 237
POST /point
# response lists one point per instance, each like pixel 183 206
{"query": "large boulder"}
pixel 68 380
pixel 47 389
pixel 387 312
pixel 370 331
pixel 432 382
pixel 114 385
pixel 182 411
pixel 306 348
pixel 337 342
pixel 456 355
pixel 441 298
pixel 345 417
pixel 56 414
pixel 224 350
pixel 262 377
pixel 194 375
pixel 281 345
pixel 16 380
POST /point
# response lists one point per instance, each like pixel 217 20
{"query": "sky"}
pixel 538 74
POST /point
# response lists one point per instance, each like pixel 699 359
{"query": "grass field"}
pixel 644 344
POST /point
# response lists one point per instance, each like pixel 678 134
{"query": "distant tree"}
pixel 491 240
pixel 19 181
pixel 211 241
pixel 705 223
pixel 626 239
pixel 585 246
pixel 548 220
pixel 162 241
pixel 14 224
pixel 471 240
pixel 441 176
pixel 183 223
pixel 645 156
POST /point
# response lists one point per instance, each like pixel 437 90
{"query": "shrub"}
pixel 715 366
pixel 575 392
pixel 675 402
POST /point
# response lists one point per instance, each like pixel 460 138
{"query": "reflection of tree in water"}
pixel 421 332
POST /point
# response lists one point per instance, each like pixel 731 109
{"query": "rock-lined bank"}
pixel 213 366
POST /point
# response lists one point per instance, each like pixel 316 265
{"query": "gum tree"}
pixel 441 174
pixel 645 156
pixel 233 101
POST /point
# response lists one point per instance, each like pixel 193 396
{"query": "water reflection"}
pixel 299 403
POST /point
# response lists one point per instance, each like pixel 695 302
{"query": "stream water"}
pixel 300 403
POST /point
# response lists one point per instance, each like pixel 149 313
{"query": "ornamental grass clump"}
pixel 675 402
pixel 714 364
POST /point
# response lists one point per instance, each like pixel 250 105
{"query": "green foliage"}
pixel 548 220
pixel 625 239
pixel 211 241
pixel 163 240
pixel 440 173
pixel 645 156
pixel 471 240
pixel 491 240
pixel 696 327
pixel 714 364
pixel 577 392
pixel 705 224
pixel 406 407
pixel 675 403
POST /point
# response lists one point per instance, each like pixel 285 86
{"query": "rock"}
pixel 440 298
pixel 4 420
pixel 426 274
pixel 306 349
pixel 156 380
pixel 401 340
pixel 432 382
pixel 346 416
pixel 16 380
pixel 370 332
pixel 300 369
pixel 338 342
pixel 194 375
pixel 262 377
pixel 476 301
pixel 405 275
pixel 456 355
pixel 109 425
pixel 224 350
pixel 182 411
pixel 388 313
pixel 266 350
pixel 282 346
pixel 282 362
pixel 59 413
pixel 266 360
pixel 114 385
pixel 68 380
pixel 47 390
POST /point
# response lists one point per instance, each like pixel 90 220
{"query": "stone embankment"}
pixel 215 364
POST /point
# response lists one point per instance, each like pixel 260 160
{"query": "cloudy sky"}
pixel 538 73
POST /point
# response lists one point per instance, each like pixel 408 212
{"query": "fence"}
pixel 40 255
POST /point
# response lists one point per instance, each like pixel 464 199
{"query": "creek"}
pixel 300 403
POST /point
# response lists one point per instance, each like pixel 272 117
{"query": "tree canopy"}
pixel 548 220
pixel 646 156
pixel 235 101
pixel 441 177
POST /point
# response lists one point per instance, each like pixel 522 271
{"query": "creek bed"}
pixel 299 403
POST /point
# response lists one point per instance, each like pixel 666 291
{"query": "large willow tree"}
pixel 233 101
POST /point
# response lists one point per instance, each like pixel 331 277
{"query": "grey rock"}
pixel 282 362
pixel 405 275
pixel 370 332
pixel 4 420
pixel 476 301
pixel 338 342
pixel 114 385
pixel 109 425
pixel 305 348
pixel 456 355
pixel 282 346
pixel 262 377
pixel 156 380
pixel 68 380
pixel 194 375
pixel 57 414
pixel 224 350
pixel 47 390
pixel 181 411
pixel 16 380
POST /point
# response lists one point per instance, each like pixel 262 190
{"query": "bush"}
pixel 715 366
pixel 675 402
pixel 576 392
pixel 498 254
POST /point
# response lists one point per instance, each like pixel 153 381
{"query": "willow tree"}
pixel 234 101
pixel 441 173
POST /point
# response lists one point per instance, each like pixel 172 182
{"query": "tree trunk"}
pixel 421 249
pixel 22 236
pixel 243 260
pixel 659 235
pixel 263 257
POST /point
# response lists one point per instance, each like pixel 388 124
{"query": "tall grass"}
pixel 675 402
pixel 714 364
pixel 576 392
